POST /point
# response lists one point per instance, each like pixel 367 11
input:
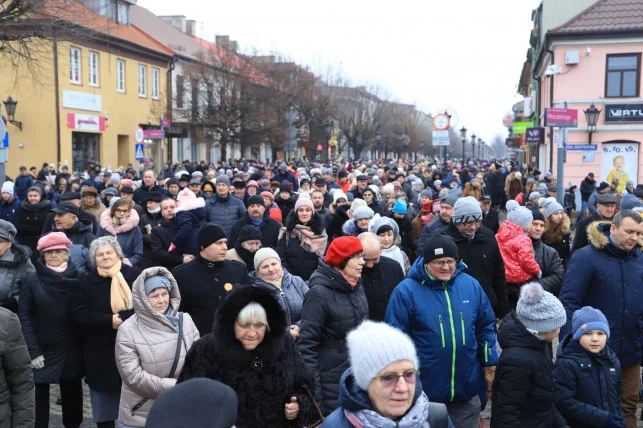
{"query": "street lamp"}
pixel 463 135
pixel 479 147
pixel 10 105
pixel 591 114
pixel 378 139
pixel 328 126
pixel 473 145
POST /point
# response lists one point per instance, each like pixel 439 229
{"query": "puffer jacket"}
pixel 523 388
pixel 517 253
pixel 452 324
pixel 610 279
pixel 189 217
pixel 224 211
pixel 331 309
pixel 350 228
pixel 550 265
pixel 29 222
pixel 587 386
pixel 145 349
pixel 15 268
pixel 128 235
pixel 9 209
pixel 17 398
pixel 295 258
pixel 290 296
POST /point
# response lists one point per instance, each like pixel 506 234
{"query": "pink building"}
pixel 595 58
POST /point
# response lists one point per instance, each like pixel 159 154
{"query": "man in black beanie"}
pixel 205 281
pixel 256 216
pixel 546 256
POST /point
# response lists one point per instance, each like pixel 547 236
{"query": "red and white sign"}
pixel 154 134
pixel 508 120
pixel 561 117
pixel 441 121
pixel 139 135
pixel 85 122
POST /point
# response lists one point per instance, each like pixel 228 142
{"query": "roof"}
pixel 605 16
pixel 75 12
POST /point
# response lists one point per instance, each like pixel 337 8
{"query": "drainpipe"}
pixel 170 69
pixel 551 105
pixel 57 100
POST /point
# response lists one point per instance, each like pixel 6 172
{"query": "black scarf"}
pixel 247 256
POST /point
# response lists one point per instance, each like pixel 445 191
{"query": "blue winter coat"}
pixel 587 386
pixel 224 211
pixel 9 210
pixel 452 324
pixel 610 279
pixel 22 184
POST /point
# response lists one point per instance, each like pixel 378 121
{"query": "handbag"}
pixel 311 397
pixel 438 415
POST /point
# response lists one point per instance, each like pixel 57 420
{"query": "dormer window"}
pixel 114 10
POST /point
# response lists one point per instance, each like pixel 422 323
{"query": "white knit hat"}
pixel 265 254
pixel 7 187
pixel 374 345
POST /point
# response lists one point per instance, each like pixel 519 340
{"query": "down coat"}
pixel 517 253
pixel 331 309
pixel 587 386
pixel 15 268
pixel 610 279
pixel 224 211
pixel 145 350
pixel 128 235
pixel 265 378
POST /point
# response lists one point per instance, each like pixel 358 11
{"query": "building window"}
pixel 180 91
pixel 622 75
pixel 122 13
pixel 93 68
pixel 74 66
pixel 142 80
pixel 120 75
pixel 155 83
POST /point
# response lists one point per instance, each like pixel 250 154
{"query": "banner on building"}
pixel 615 113
pixel 535 135
pixel 85 122
pixel 561 117
pixel 620 161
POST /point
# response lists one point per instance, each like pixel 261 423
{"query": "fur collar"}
pixel 106 223
pixel 191 204
pixel 598 234
pixel 553 234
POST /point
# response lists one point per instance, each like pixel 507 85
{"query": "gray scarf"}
pixel 416 417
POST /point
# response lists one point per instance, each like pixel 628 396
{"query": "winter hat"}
pixel 53 241
pixel 342 174
pixel 285 187
pixel 252 183
pixel 356 204
pixel 116 178
pixel 275 214
pixel 268 195
pixel 127 190
pixel 363 212
pixel 427 193
pixel 400 207
pixel 206 403
pixel 539 310
pixel 70 196
pixel 374 345
pixel 534 195
pixel 185 195
pixel 222 179
pixel 449 199
pixel 7 187
pixel 91 191
pixel 171 181
pixel 282 167
pixel 113 201
pixel 304 201
pixel 377 182
pixel 437 183
pixel 383 224
pixel 157 281
pixel 153 197
pixel 551 205
pixel 587 319
pixel 111 191
pixel 7 230
pixel 516 214
pixel 629 202
pixel 249 232
pixel 604 185
pixel 338 194
pixel 255 200
pixel 465 210
pixel 439 246
pixel 208 234
pixel 264 254
pixel 342 248
pixel 537 214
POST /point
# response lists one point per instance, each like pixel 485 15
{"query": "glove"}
pixel 172 247
pixel 39 362
pixel 615 421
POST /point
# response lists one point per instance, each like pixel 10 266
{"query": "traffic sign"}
pixel 582 147
pixel 3 128
pixel 5 140
pixel 139 136
pixel 441 121
pixel 139 152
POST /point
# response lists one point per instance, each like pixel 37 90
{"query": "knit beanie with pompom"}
pixel 539 310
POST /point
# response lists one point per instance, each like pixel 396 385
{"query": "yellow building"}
pixel 90 93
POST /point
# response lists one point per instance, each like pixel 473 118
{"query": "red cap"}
pixel 341 249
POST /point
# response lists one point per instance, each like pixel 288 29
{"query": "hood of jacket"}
pixel 350 228
pixel 509 231
pixel 512 333
pixel 45 204
pixel 272 346
pixel 21 255
pixel 598 234
pixel 558 233
pixel 335 280
pixel 130 223
pixel 190 204
pixel 144 312
pixel 418 273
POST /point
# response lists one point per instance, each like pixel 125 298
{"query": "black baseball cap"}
pixel 70 196
pixel 66 208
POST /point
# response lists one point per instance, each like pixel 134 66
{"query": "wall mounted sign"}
pixel 561 117
pixel 85 122
pixel 615 113
pixel 82 101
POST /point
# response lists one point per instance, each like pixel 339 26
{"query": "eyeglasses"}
pixel 442 263
pixel 124 211
pixel 357 256
pixel 389 380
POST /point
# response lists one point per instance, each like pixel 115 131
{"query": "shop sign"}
pixel 174 131
pixel 519 128
pixel 535 135
pixel 615 113
pixel 153 134
pixel 561 117
pixel 85 122
pixel 82 101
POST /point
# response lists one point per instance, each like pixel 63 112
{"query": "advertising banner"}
pixel 561 117
pixel 619 161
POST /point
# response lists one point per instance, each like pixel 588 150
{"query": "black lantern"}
pixel 463 132
pixel 591 115
pixel 10 105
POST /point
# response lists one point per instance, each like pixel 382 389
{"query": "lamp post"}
pixel 463 135
pixel 591 114
pixel 473 146
pixel 328 127
pixel 10 105
pixel 479 147
pixel 378 139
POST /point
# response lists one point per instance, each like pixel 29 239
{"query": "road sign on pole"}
pixel 140 148
pixel 139 135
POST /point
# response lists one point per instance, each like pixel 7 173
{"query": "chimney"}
pixel 190 27
pixel 176 21
pixel 234 46
pixel 223 42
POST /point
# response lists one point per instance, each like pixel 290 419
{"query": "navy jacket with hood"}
pixel 452 325
pixel 608 278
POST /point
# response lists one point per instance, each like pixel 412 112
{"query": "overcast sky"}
pixel 462 54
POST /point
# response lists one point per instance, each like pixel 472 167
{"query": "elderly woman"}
pixel 249 352
pixel 151 345
pixel 359 223
pixel 121 221
pixel 15 266
pixel 382 387
pixel 53 339
pixel 335 305
pixel 31 218
pixel 303 241
pixel 248 242
pixel 388 232
pixel 289 290
pixel 101 305
pixel 91 202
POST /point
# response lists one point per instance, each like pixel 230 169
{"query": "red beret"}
pixel 275 214
pixel 53 241
pixel 341 249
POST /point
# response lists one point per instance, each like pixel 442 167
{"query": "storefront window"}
pixel 85 147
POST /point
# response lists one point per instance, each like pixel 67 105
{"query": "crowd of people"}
pixel 350 294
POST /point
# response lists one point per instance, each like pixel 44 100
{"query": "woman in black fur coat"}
pixel 268 379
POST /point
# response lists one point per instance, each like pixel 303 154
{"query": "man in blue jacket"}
pixel 223 208
pixel 607 274
pixel 447 314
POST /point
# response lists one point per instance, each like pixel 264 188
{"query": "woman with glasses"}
pixel 334 305
pixel 250 352
pixel 382 387
pixel 121 221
